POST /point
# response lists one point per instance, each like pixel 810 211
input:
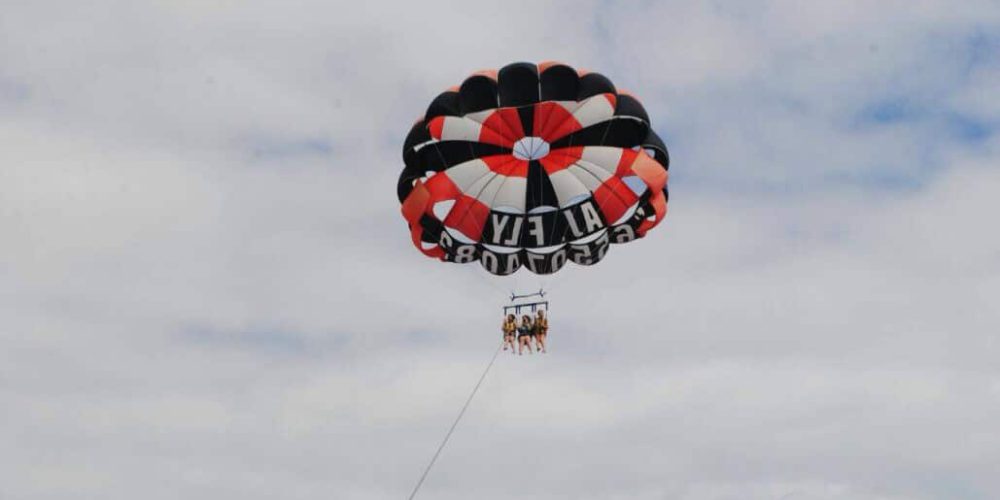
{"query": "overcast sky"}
pixel 207 290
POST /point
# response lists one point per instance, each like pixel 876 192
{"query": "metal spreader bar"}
pixel 539 293
pixel 534 306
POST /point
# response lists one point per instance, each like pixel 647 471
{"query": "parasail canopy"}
pixel 532 166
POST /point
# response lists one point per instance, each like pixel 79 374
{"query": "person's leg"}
pixel 540 338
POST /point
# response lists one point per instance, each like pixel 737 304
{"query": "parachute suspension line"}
pixel 548 270
pixel 480 278
pixel 455 423
pixel 552 231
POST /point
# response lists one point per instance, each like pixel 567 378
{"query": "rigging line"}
pixel 455 423
pixel 552 232
pixel 580 163
pixel 477 271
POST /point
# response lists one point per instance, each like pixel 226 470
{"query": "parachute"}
pixel 532 166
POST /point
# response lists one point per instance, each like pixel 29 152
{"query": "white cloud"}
pixel 206 290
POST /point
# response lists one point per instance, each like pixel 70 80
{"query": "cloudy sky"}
pixel 207 290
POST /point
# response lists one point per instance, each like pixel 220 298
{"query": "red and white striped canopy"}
pixel 534 166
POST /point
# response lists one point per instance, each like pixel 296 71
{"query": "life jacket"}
pixel 542 325
pixel 509 327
